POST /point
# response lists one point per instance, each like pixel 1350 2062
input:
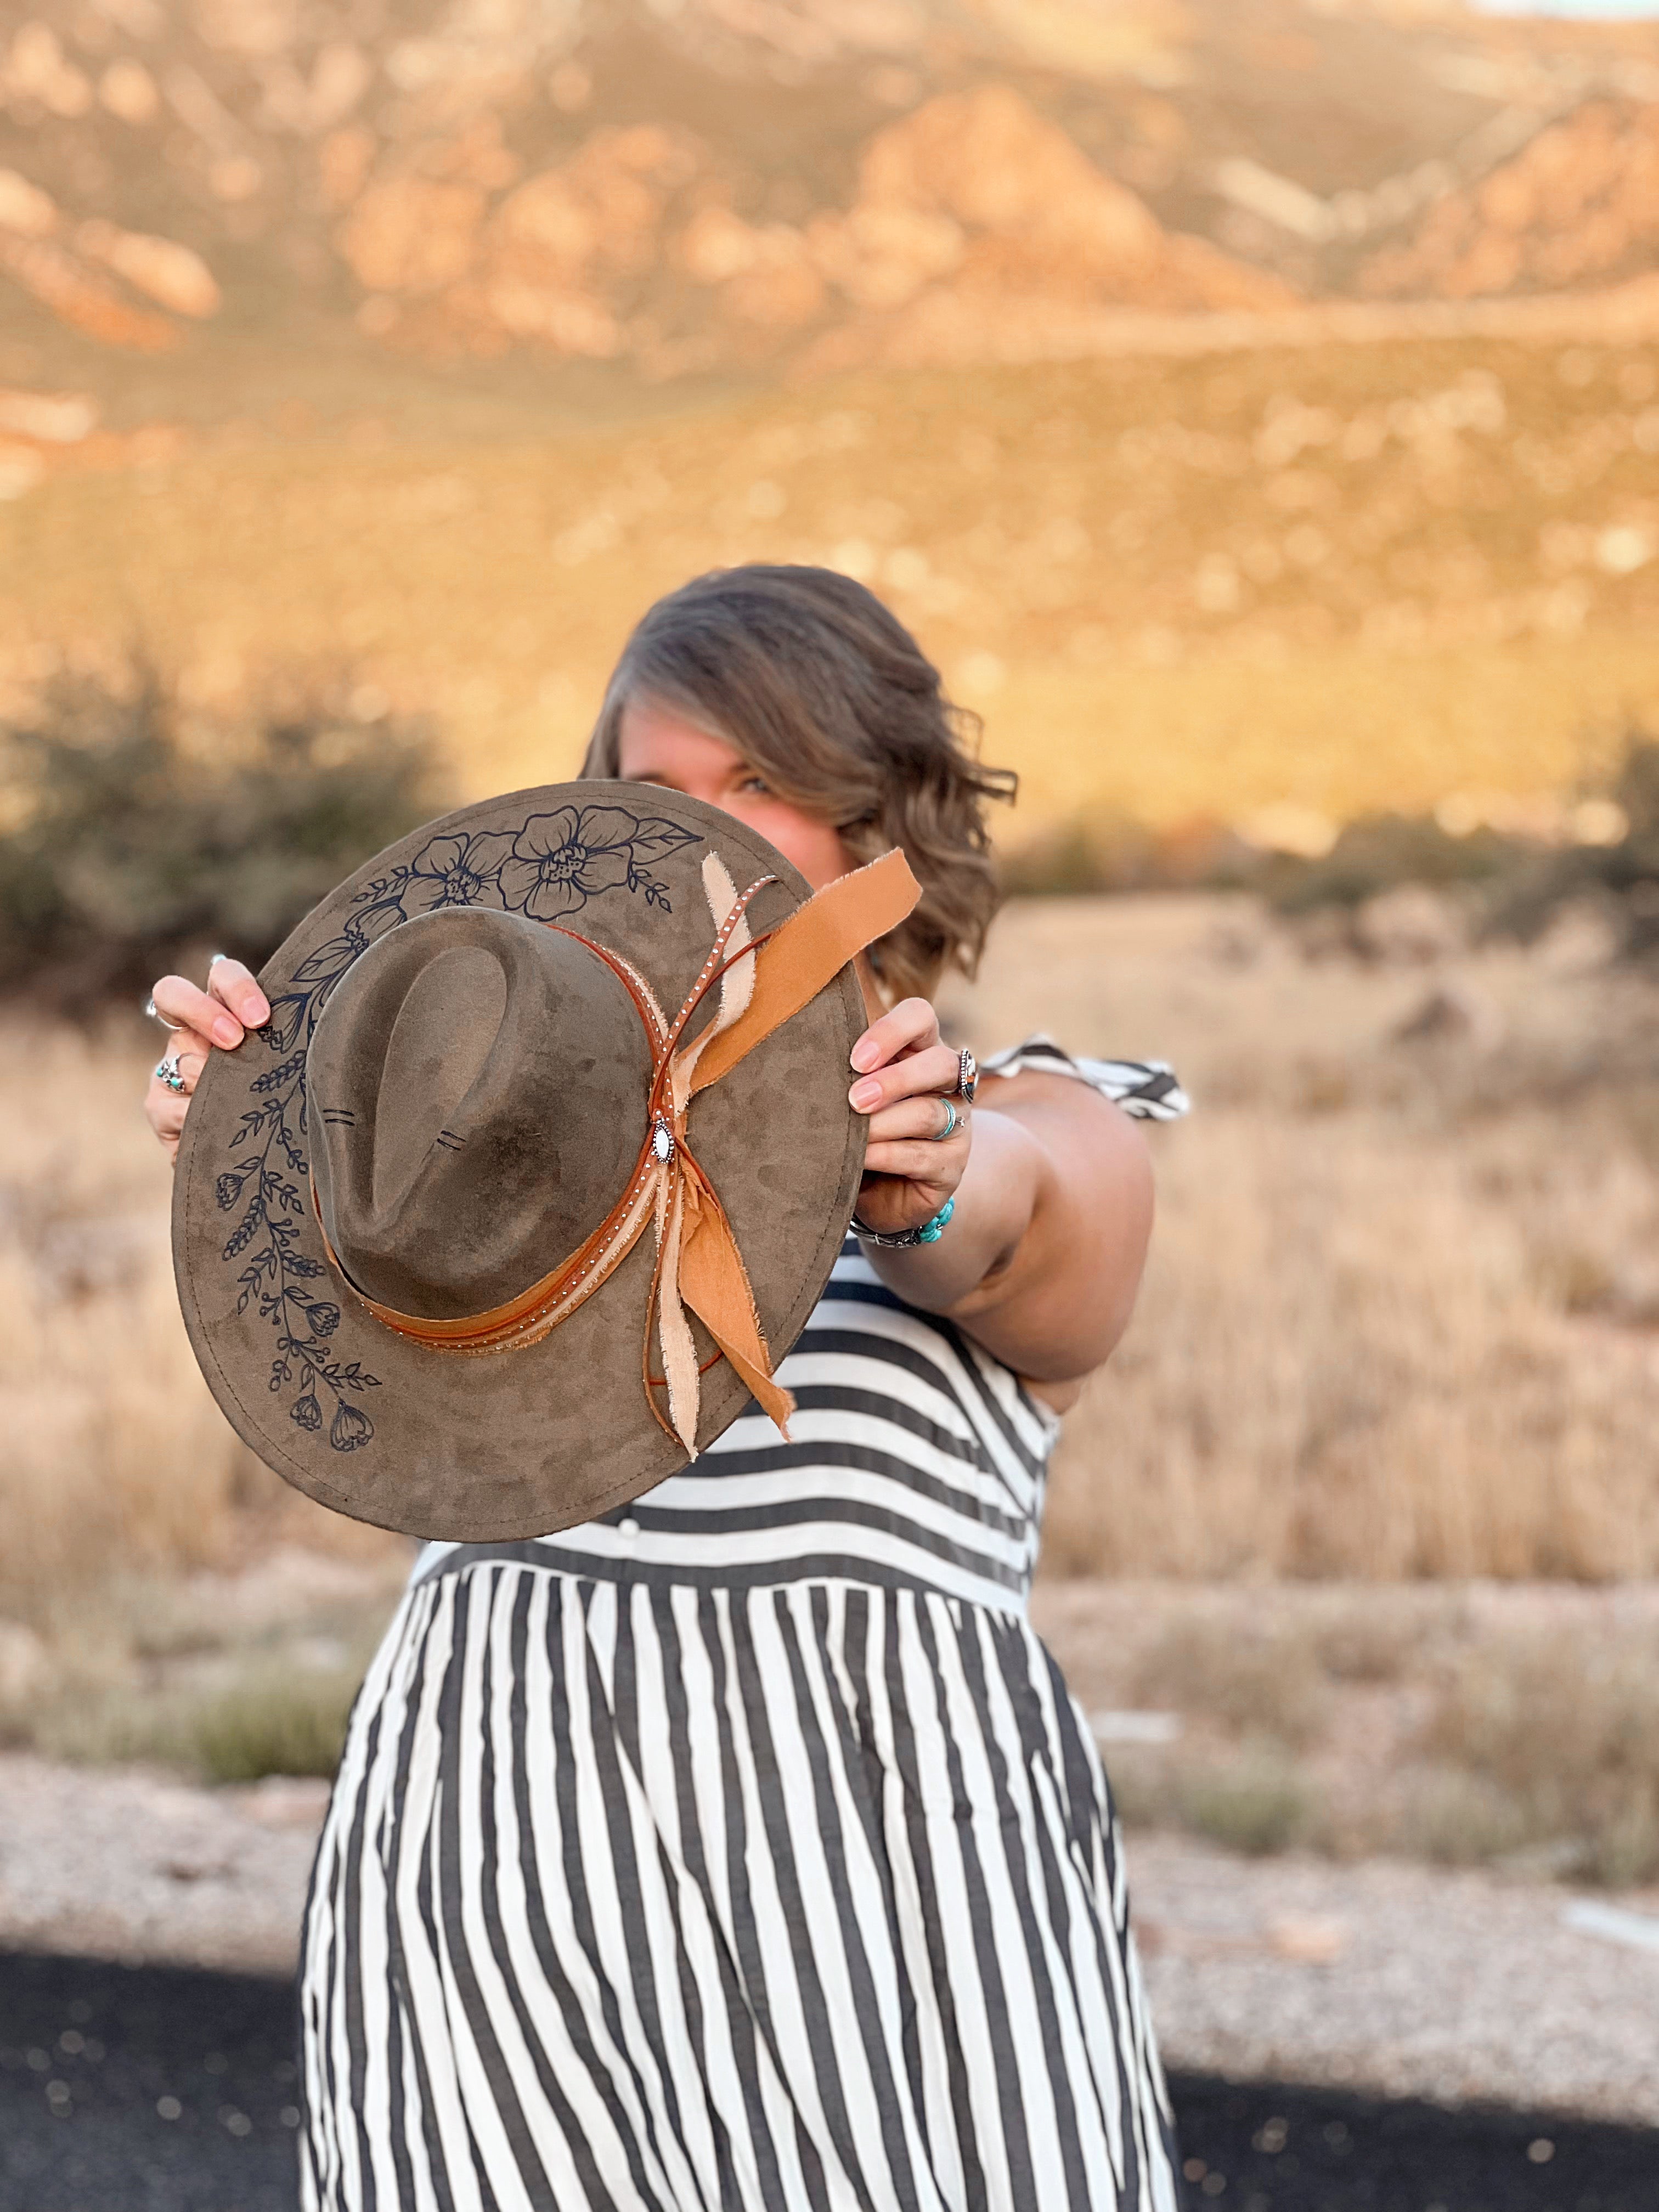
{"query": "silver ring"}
pixel 166 1070
pixel 156 1015
pixel 951 1126
pixel 967 1075
pixel 213 959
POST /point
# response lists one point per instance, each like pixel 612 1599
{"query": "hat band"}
pixel 698 1262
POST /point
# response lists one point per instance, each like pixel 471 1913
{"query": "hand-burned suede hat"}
pixel 541 1163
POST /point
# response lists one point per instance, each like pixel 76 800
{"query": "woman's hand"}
pixel 219 1017
pixel 907 1082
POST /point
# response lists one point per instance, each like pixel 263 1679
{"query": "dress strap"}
pixel 1144 1088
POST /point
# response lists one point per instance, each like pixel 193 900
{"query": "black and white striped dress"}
pixel 745 1852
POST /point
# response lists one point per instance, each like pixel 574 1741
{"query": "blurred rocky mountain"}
pixel 684 187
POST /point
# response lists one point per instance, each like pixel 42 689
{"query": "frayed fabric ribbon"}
pixel 762 982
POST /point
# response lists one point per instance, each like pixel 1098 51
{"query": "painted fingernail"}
pixel 866 1095
pixel 866 1053
pixel 225 1032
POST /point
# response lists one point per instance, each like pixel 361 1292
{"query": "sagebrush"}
pixel 140 833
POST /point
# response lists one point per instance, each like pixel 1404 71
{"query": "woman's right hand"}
pixel 216 1018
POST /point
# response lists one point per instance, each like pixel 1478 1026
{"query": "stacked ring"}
pixel 952 1124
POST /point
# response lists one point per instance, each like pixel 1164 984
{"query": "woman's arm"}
pixel 1053 1189
pixel 1043 1254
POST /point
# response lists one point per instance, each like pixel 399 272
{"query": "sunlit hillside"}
pixel 1350 575
pixel 719 185
pixel 1250 401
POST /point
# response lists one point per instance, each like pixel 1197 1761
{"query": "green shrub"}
pixel 1559 1735
pixel 266 1718
pixel 1257 1803
pixel 283 1722
pixel 1457 1819
pixel 1251 1797
pixel 1518 885
pixel 1105 854
pixel 1623 877
pixel 1381 850
pixel 139 835
pixel 1258 1682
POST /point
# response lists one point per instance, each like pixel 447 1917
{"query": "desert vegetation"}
pixel 1306 570
pixel 139 831
pixel 162 1595
pixel 1394 1364
pixel 1463 1723
pixel 1397 1320
pixel 1350 577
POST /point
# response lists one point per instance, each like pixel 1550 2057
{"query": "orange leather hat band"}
pixel 698 1264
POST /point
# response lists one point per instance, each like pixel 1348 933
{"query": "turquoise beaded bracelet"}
pixel 929 1233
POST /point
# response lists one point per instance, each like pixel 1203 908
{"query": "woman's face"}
pixel 656 745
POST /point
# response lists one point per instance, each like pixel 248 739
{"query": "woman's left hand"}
pixel 907 1087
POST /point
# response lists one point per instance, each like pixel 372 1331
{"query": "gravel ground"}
pixel 1401 1980
pixel 1384 1978
pixel 130 1866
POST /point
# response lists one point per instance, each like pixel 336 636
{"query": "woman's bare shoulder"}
pixel 1062 1112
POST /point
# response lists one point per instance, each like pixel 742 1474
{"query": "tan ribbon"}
pixel 762 982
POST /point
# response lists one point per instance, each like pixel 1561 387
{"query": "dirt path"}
pixel 119 1863
pixel 1401 1980
pixel 1393 1979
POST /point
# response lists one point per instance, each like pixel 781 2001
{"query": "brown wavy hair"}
pixel 826 695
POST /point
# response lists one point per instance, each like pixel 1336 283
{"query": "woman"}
pixel 743 1850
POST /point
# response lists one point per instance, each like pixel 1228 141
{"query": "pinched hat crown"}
pixel 478 1090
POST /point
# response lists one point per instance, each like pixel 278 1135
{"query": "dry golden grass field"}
pixel 1350 575
pixel 1366 1498
pixel 1402 1319
pixel 1396 1365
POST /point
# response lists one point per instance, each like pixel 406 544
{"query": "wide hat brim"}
pixel 552 1433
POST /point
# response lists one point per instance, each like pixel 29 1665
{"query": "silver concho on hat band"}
pixel 967 1076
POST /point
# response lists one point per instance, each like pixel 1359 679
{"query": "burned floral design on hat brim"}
pixel 548 868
